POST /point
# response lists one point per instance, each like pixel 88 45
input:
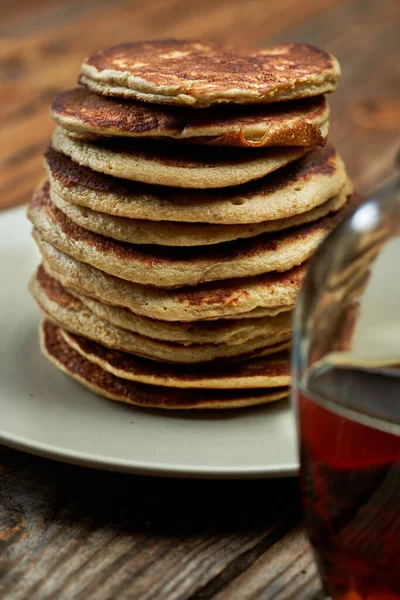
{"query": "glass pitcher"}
pixel 346 393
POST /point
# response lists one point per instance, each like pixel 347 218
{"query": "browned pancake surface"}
pixel 265 368
pixel 69 173
pixel 94 377
pixel 187 303
pixel 93 114
pixel 157 255
pixel 75 317
pixel 203 71
pixel 172 154
pixel 131 116
pixel 55 291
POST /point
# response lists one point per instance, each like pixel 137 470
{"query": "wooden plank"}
pixel 73 533
pixel 22 17
pixel 287 572
pixel 364 117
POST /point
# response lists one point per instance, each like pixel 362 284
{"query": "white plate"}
pixel 44 412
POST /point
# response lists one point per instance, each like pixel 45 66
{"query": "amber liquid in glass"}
pixel 350 479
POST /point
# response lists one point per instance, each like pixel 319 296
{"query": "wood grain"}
pixel 44 45
pixel 72 533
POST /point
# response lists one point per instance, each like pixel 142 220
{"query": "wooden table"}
pixel 72 533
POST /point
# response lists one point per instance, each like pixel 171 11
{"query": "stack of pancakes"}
pixel 188 184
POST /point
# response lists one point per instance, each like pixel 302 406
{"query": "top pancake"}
pixel 86 115
pixel 199 74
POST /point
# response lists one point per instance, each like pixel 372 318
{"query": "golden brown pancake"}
pixel 65 358
pixel 163 266
pixel 290 191
pixel 273 291
pixel 175 165
pixel 69 313
pixel 85 115
pixel 199 74
pixel 255 373
pixel 257 313
pixel 171 233
pixel 220 331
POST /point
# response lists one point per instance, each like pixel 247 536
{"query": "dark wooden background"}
pixel 74 534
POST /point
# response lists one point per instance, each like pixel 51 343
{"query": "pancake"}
pixel 172 233
pixel 85 115
pixel 225 331
pixel 101 382
pixel 163 266
pixel 273 291
pixel 290 191
pixel 175 165
pixel 199 74
pixel 259 312
pixel 69 313
pixel 256 373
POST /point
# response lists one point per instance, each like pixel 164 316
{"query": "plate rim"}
pixel 150 469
